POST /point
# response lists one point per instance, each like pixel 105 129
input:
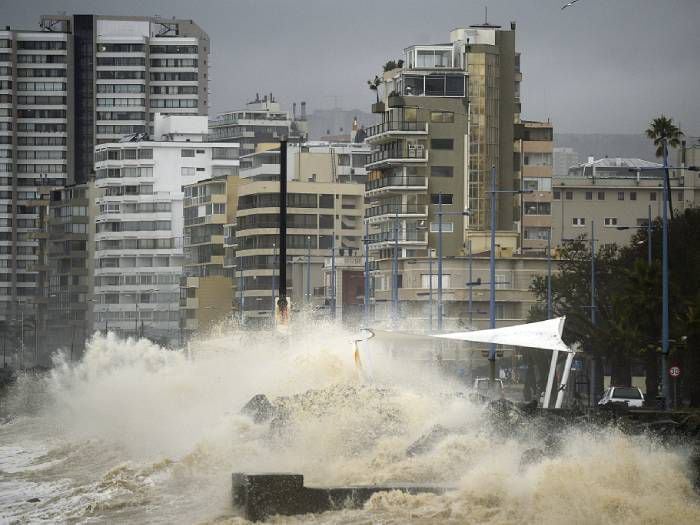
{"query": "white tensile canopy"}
pixel 543 335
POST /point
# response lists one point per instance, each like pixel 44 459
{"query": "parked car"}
pixel 630 395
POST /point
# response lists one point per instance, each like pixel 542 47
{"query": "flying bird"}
pixel 569 4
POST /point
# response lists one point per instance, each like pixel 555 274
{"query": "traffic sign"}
pixel 674 371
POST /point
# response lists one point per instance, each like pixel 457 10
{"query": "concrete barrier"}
pixel 258 496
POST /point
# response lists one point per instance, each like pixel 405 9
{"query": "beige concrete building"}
pixel 534 144
pixel 325 210
pixel 207 287
pixel 610 194
pixel 447 116
pixel 514 274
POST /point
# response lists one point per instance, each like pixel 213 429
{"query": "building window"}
pixel 187 153
pixel 187 171
pixel 447 227
pixel 447 144
pixel 610 221
pixel 569 195
pixel 680 196
pixel 578 221
pixel 441 171
pixel 557 195
pixel 620 195
pixel 589 195
pixel 652 196
pixel 446 198
pixel 538 208
pixel 442 117
pixel 426 278
pixel 633 195
pixel 145 153
pixel 601 195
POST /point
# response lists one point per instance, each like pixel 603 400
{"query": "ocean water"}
pixel 141 434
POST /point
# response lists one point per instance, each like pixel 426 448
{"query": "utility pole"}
pixel 594 368
pixel 649 232
pixel 430 279
pixel 549 274
pixel 272 287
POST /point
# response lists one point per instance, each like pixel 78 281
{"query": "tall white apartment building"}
pixel 139 223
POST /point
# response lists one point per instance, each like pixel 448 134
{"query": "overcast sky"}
pixel 603 66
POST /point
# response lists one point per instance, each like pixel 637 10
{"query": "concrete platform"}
pixel 258 496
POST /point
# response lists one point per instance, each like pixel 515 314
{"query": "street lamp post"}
pixel 308 269
pixel 333 283
pixel 395 273
pixel 440 214
pixel 272 287
pixel 366 280
pixel 492 271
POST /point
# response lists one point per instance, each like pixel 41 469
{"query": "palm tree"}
pixel 665 134
pixel 374 85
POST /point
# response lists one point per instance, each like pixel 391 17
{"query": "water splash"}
pixel 138 433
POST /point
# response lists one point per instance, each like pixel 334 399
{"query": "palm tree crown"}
pixel 662 129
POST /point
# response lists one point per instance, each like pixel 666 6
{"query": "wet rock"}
pixel 427 441
pixel 33 500
pixel 690 425
pixel 259 408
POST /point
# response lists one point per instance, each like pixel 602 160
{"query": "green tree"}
pixel 662 131
pixel 374 85
pixel 665 134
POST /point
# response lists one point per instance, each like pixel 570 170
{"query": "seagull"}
pixel 569 4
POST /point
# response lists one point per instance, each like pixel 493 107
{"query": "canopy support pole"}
pixel 550 378
pixel 564 380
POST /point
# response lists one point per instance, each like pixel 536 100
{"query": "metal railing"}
pixel 401 209
pixel 395 181
pixel 396 125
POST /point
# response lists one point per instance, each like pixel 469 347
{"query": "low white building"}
pixel 139 222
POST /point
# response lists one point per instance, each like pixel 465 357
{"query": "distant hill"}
pixel 600 145
pixel 336 121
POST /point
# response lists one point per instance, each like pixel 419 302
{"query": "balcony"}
pixel 387 239
pixel 388 130
pixel 394 184
pixel 400 156
pixel 389 211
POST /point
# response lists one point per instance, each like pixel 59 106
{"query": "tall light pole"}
pixel 272 287
pixel 366 281
pixel 549 274
pixel 492 272
pixel 333 287
pixel 440 215
pixel 665 382
pixel 439 270
pixel 469 284
pixel 430 279
pixel 395 273
pixel 308 269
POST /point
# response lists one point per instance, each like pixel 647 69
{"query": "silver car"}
pixel 629 395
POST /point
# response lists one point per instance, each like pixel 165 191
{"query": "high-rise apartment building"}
pixel 140 225
pixel 79 81
pixel 259 126
pixel 448 113
pixel 35 123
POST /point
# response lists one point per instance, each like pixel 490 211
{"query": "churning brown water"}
pixel 140 434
